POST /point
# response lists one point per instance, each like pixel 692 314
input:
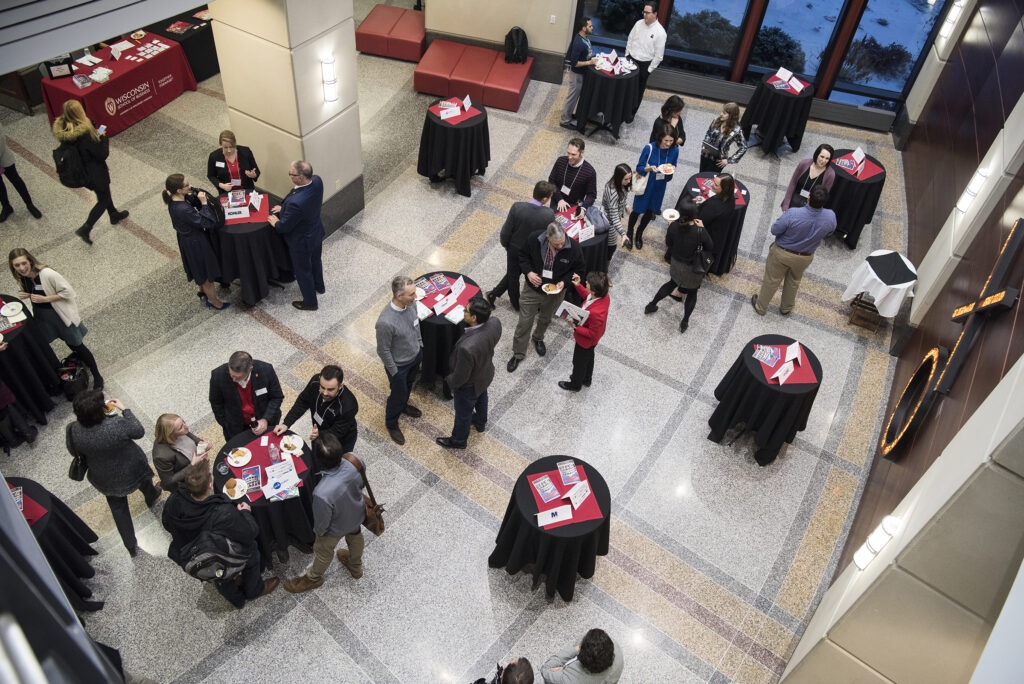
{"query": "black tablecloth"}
pixel 29 368
pixel 460 150
pixel 282 523
pixel 439 338
pixel 65 540
pixel 255 254
pixel 854 200
pixel 775 413
pixel 196 42
pixel 727 250
pixel 777 114
pixel 611 95
pixel 560 553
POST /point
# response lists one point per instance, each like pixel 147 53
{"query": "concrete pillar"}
pixel 270 54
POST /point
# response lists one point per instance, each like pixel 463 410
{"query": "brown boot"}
pixel 270 585
pixel 343 559
pixel 297 585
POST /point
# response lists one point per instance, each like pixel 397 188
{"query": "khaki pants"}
pixel 533 305
pixel 786 268
pixel 323 553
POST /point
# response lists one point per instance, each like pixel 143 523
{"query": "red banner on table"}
pixel 433 298
pixel 254 216
pixel 144 79
pixel 848 164
pixel 588 510
pixel 802 374
pixel 261 458
pixel 468 114
pixel 30 508
pixel 789 89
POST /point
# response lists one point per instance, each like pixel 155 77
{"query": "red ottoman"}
pixel 506 84
pixel 470 73
pixel 372 34
pixel 408 37
pixel 434 71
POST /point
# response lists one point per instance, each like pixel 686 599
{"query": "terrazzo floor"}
pixel 715 565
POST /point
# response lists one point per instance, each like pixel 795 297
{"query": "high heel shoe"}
pixel 223 305
pixel 202 297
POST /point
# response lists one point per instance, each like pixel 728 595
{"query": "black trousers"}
pixel 643 69
pixel 582 366
pixel 11 174
pixel 104 203
pixel 251 585
pixel 123 514
pixel 510 282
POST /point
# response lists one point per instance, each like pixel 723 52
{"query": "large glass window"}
pixel 794 34
pixel 612 19
pixel 705 27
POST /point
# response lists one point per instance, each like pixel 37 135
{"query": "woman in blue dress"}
pixel 658 161
pixel 192 223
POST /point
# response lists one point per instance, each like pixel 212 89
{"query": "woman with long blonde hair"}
pixel 723 143
pixel 75 129
pixel 175 448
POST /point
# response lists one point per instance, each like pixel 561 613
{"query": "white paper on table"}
pixel 264 440
pixel 449 113
pixel 122 45
pixel 784 73
pixel 282 475
pixel 458 286
pixel 115 53
pixel 422 312
pixel 785 370
pixel 466 103
pixel 455 315
pixel 255 199
pixel 613 56
pixel 578 494
pixel 444 304
pixel 586 232
pixel 236 212
pixel 793 353
pixel 795 84
pixel 559 514
pixel 858 155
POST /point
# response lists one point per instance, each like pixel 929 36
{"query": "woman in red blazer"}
pixel 587 335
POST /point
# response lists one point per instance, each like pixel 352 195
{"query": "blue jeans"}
pixel 401 385
pixel 252 582
pixel 470 409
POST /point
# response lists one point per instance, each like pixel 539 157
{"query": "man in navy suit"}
pixel 297 218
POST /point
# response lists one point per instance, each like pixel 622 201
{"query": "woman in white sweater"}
pixel 53 306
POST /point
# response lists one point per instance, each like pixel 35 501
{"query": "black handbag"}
pixel 78 466
pixel 701 260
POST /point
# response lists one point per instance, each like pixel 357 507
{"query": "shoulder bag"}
pixel 374 520
pixel 640 179
pixel 701 260
pixel 78 465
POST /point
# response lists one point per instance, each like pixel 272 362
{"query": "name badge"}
pixel 805 194
pixel 236 181
pixel 261 391
pixel 547 274
pixel 219 164
pixel 565 190
pixel 416 323
pixel 318 419
pixel 659 176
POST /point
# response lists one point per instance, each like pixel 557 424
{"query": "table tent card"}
pixel 784 74
pixel 554 515
pixel 784 371
pixel 466 102
pixel 458 286
pixel 793 353
pixel 578 494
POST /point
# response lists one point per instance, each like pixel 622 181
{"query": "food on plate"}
pixel 668 169
pixel 230 486
pixel 139 35
pixel 551 288
pixel 238 454
pixel 110 408
pixel 290 443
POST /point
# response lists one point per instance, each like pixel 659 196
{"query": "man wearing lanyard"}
pixel 578 58
pixel 332 408
pixel 646 45
pixel 245 393
pixel 574 178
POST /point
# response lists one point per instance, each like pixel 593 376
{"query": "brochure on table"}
pixel 440 297
pixel 551 484
pixel 259 468
pixel 454 110
pixel 784 364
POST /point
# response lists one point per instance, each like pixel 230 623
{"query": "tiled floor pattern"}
pixel 715 563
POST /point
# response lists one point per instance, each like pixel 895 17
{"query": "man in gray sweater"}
pixel 400 347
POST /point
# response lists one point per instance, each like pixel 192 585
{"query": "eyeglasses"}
pixel 294 175
pixel 646 12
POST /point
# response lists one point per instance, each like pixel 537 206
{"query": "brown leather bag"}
pixel 374 520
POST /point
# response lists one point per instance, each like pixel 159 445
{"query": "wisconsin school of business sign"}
pixel 939 368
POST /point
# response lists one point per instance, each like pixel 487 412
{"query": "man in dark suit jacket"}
pixel 297 218
pixel 523 218
pixel 332 408
pixel 472 364
pixel 244 389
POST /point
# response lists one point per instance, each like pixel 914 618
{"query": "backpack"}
pixel 212 557
pixel 516 46
pixel 70 167
pixel 74 377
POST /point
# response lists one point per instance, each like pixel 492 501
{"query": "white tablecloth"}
pixel 888 298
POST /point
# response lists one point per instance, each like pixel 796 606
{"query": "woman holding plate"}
pixel 174 449
pixel 684 237
pixel 723 143
pixel 657 162
pixel 53 305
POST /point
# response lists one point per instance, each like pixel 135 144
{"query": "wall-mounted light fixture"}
pixel 876 541
pixel 330 79
pixel 973 188
pixel 952 16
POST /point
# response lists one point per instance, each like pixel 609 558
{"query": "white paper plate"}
pixel 544 288
pixel 240 489
pixel 11 309
pixel 240 461
pixel 670 215
pixel 292 452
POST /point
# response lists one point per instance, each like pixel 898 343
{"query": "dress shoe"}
pixel 447 443
pixel 650 308
pixel 586 383
pixel 479 428
pixel 540 347
pixel 134 551
pixel 5 213
pixel 568 386
pixel 343 559
pixel 785 313
pixel 412 411
pixel 569 125
pixel 223 305
pixel 639 242
pixel 152 502
pixel 302 306
pixel 297 585
pixel 269 585
pixel 83 232
pixel 683 325
pixel 513 363
pixel 118 217
pixel 321 290
pixel 490 297
pixel 753 303
pixel 396 435
pixel 34 211
pixel 282 555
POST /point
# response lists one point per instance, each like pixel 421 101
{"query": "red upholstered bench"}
pixel 506 84
pixel 470 73
pixel 392 32
pixel 433 73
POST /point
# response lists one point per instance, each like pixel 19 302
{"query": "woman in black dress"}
pixel 191 224
pixel 672 115
pixel 683 237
